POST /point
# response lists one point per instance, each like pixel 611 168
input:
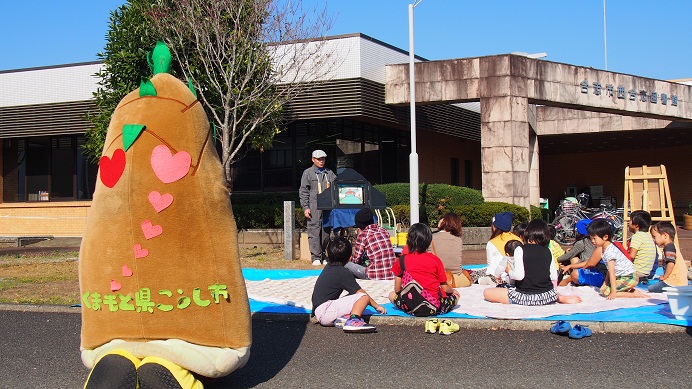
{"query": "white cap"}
pixel 319 154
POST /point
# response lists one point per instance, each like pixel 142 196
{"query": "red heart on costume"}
pixel 111 169
pixel 139 251
pixel 115 285
pixel 167 167
pixel 160 201
pixel 127 272
pixel 151 231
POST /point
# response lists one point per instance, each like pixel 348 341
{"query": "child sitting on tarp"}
pixel 621 279
pixel 420 282
pixel 642 248
pixel 507 261
pixel 675 272
pixel 328 307
pixel 585 267
pixel 555 249
pixel 373 254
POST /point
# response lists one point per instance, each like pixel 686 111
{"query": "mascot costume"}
pixel 163 296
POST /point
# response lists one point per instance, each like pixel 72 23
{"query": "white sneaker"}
pixel 316 262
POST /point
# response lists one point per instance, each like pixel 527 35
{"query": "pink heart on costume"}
pixel 160 201
pixel 150 231
pixel 139 251
pixel 126 271
pixel 167 167
pixel 410 296
pixel 115 285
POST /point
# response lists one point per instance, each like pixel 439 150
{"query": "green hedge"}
pixel 261 216
pixel 435 199
pixel 265 210
pixel 480 215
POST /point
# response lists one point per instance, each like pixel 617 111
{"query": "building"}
pixel 480 124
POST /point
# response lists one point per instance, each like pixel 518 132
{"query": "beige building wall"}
pixel 59 219
pixel 435 152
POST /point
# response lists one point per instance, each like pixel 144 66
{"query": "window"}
pixel 468 174
pixel 46 168
pixel 454 169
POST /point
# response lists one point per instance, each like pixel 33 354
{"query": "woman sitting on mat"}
pixel 447 245
pixel 495 250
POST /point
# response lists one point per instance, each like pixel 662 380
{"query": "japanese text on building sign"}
pixel 609 91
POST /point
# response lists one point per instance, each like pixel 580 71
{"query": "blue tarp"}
pixel 647 314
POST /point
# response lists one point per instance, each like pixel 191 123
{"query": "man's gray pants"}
pixel 317 236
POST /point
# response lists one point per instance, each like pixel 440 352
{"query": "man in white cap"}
pixel 315 180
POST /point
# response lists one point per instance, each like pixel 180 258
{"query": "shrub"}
pixel 266 210
pixel 435 199
pixel 257 215
pixel 482 215
pixel 479 215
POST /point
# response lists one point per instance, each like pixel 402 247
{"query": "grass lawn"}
pixel 51 278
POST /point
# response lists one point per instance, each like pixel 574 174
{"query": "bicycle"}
pixel 570 211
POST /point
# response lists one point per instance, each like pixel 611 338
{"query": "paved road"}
pixel 41 350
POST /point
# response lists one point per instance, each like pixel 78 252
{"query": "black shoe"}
pixel 643 280
pixel 155 376
pixel 112 371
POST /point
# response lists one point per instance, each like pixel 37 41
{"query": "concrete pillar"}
pixel 505 149
pixel 289 228
pixel 534 171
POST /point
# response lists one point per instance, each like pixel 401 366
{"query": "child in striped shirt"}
pixel 621 279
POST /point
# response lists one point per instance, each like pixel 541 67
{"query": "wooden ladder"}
pixel 646 188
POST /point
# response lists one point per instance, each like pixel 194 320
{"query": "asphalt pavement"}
pixel 41 350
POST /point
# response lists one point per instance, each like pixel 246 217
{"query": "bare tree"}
pixel 247 59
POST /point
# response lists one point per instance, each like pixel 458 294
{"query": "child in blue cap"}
pixel 590 270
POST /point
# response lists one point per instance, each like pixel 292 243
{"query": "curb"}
pixel 479 324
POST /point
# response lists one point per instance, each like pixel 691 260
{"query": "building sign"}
pixel 609 91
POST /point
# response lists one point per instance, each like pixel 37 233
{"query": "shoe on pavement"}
pixel 339 322
pixel 432 326
pixel 316 262
pixel 448 327
pixel 560 327
pixel 579 331
pixel 357 325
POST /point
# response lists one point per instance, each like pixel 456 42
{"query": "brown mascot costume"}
pixel 163 297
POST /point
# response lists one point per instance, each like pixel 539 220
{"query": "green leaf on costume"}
pixel 159 58
pixel 130 134
pixel 146 88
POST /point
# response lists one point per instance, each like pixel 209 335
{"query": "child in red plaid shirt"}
pixel 373 255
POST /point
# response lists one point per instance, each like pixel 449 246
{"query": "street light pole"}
pixel 413 157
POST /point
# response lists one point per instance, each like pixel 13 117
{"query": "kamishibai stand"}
pixel 349 193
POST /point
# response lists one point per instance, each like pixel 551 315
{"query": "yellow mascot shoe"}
pixel 158 373
pixel 117 369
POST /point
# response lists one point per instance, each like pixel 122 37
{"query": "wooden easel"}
pixel 646 188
